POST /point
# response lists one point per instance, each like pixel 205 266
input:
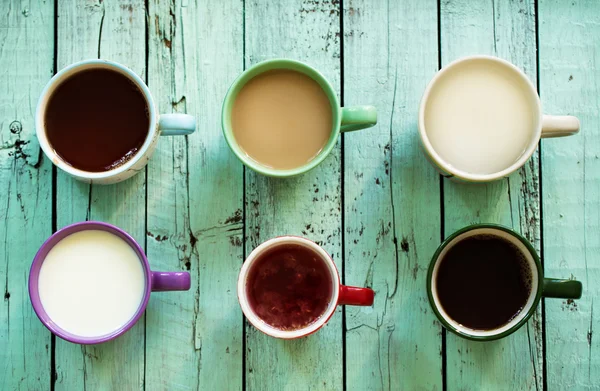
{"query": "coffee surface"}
pixel 96 120
pixel 483 282
pixel 479 117
pixel 289 287
pixel 282 119
pixel 91 283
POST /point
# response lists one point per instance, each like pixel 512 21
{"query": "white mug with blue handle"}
pixel 160 125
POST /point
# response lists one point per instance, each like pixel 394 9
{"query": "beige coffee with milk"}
pixel 282 119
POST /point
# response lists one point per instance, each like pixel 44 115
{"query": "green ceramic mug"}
pixel 540 286
pixel 345 119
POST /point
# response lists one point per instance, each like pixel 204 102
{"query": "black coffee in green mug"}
pixel 483 282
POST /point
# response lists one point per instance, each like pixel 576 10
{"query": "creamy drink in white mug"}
pixel 91 283
pixel 481 119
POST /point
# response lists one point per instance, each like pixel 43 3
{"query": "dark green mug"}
pixel 541 287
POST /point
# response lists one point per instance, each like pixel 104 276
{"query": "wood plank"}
pixel 26 180
pixel 392 205
pixel 113 30
pixel 195 200
pixel 308 205
pixel 505 29
pixel 569 84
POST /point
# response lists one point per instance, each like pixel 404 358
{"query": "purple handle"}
pixel 170 281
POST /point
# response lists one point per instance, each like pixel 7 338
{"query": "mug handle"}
pixel 352 295
pixel 176 124
pixel 358 117
pixel 559 125
pixel 170 281
pixel 562 289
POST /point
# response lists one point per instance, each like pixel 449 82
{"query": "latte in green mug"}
pixel 485 281
pixel 282 118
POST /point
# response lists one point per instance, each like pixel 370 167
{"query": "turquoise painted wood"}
pixel 375 204
pixel 26 196
pixel 392 199
pixel 570 84
pixel 506 30
pixel 195 196
pixel 115 30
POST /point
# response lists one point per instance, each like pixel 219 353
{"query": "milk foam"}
pixel 91 283
pixel 480 117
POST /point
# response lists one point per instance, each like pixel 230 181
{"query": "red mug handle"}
pixel 352 295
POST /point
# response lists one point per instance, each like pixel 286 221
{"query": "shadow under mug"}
pixel 544 126
pixel 340 294
pixel 163 125
pixel 345 119
pixel 154 281
pixel 540 286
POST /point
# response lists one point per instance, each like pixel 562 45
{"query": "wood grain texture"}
pixel 112 30
pixel 391 196
pixel 26 196
pixel 569 33
pixel 195 200
pixel 308 205
pixel 507 30
pixel 392 200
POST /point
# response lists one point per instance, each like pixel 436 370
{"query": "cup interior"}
pixel 259 69
pixel 62 76
pixel 251 314
pixel 37 265
pixel 517 320
pixel 450 78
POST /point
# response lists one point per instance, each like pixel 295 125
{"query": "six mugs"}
pixel 480 119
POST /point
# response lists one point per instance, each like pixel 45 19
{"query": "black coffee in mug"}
pixel 483 282
pixel 97 119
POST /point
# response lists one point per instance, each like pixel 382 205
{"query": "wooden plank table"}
pixel 375 204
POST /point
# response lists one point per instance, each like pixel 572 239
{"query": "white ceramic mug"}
pixel 544 125
pixel 340 294
pixel 163 125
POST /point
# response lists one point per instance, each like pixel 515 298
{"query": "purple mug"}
pixel 155 281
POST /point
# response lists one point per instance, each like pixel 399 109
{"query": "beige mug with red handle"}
pixel 340 294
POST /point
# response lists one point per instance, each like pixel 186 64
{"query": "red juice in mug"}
pixel 289 286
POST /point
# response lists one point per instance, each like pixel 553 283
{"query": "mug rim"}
pixel 39 258
pixel 464 175
pixel 55 81
pixel 240 82
pixel 260 324
pixel 536 298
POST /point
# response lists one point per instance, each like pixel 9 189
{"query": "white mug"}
pixel 163 125
pixel 544 125
pixel 340 294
